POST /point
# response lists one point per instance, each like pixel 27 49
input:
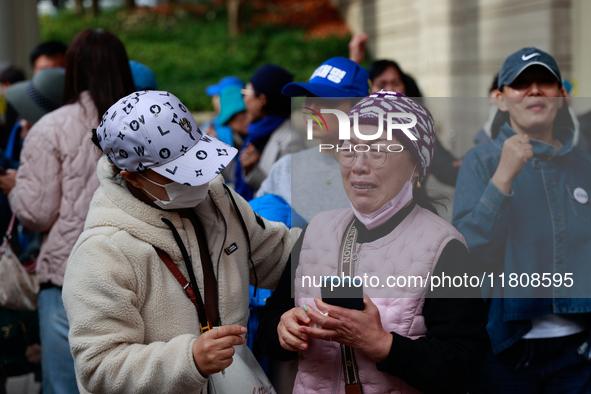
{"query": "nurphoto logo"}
pixel 345 128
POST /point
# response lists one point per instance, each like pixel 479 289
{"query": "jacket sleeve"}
pixel 450 357
pixel 481 210
pixel 276 183
pixel 255 177
pixel 36 197
pixel 270 244
pixel 107 331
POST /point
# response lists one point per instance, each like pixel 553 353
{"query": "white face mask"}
pixel 389 209
pixel 180 196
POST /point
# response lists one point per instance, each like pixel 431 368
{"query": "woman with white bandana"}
pixel 408 338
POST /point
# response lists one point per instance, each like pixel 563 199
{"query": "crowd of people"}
pixel 173 257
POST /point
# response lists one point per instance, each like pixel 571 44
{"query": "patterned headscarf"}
pixel 382 102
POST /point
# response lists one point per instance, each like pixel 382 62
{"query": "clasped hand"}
pixel 361 330
pixel 214 349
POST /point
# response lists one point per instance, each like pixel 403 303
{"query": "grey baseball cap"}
pixel 524 58
pixel 39 96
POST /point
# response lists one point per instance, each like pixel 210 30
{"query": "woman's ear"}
pixel 131 177
pixel 262 99
pixel 500 101
pixel 415 177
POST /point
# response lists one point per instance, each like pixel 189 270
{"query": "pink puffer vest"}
pixel 411 250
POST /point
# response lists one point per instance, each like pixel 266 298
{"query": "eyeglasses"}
pixel 375 155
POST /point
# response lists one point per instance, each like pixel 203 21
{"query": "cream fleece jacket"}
pixel 132 327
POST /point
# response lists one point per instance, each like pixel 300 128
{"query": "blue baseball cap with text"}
pixel 524 58
pixel 337 77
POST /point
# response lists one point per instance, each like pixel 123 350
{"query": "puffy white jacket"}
pixel 132 327
pixel 55 182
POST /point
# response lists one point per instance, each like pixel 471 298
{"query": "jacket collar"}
pixel 113 205
pixel 542 150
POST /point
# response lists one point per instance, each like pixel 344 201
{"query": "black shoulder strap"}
pixel 200 306
pixel 243 224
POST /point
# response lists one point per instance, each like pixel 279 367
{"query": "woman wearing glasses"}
pixel 408 338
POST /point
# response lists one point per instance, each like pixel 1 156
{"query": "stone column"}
pixel 19 32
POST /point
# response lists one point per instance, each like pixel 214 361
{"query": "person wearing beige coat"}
pixel 132 326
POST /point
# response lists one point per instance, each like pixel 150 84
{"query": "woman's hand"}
pixel 8 181
pixel 249 157
pixel 361 330
pixel 288 329
pixel 517 150
pixel 213 350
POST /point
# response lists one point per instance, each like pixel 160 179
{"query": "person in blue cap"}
pixel 522 203
pixel 143 76
pixel 316 183
pixel 214 127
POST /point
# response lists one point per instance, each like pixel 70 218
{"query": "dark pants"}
pixel 537 366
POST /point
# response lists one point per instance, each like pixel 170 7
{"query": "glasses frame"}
pixel 335 152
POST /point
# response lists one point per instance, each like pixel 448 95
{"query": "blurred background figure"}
pixel 50 54
pixel 143 76
pixel 214 127
pixel 314 174
pixel 232 115
pixel 57 178
pixel 21 353
pixel 8 115
pixel 387 75
pixel 483 135
pixel 269 132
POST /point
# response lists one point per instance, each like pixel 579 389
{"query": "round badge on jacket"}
pixel 581 195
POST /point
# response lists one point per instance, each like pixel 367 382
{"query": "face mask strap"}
pixel 151 181
pixel 151 195
pixel 412 173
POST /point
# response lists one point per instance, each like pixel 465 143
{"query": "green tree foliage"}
pixel 190 50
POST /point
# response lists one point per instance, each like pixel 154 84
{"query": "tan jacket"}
pixel 55 182
pixel 132 327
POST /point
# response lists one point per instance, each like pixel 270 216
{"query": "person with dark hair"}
pixel 50 54
pixel 387 75
pixel 47 84
pixel 403 339
pixel 8 76
pixel 269 133
pixel 522 202
pixel 57 178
